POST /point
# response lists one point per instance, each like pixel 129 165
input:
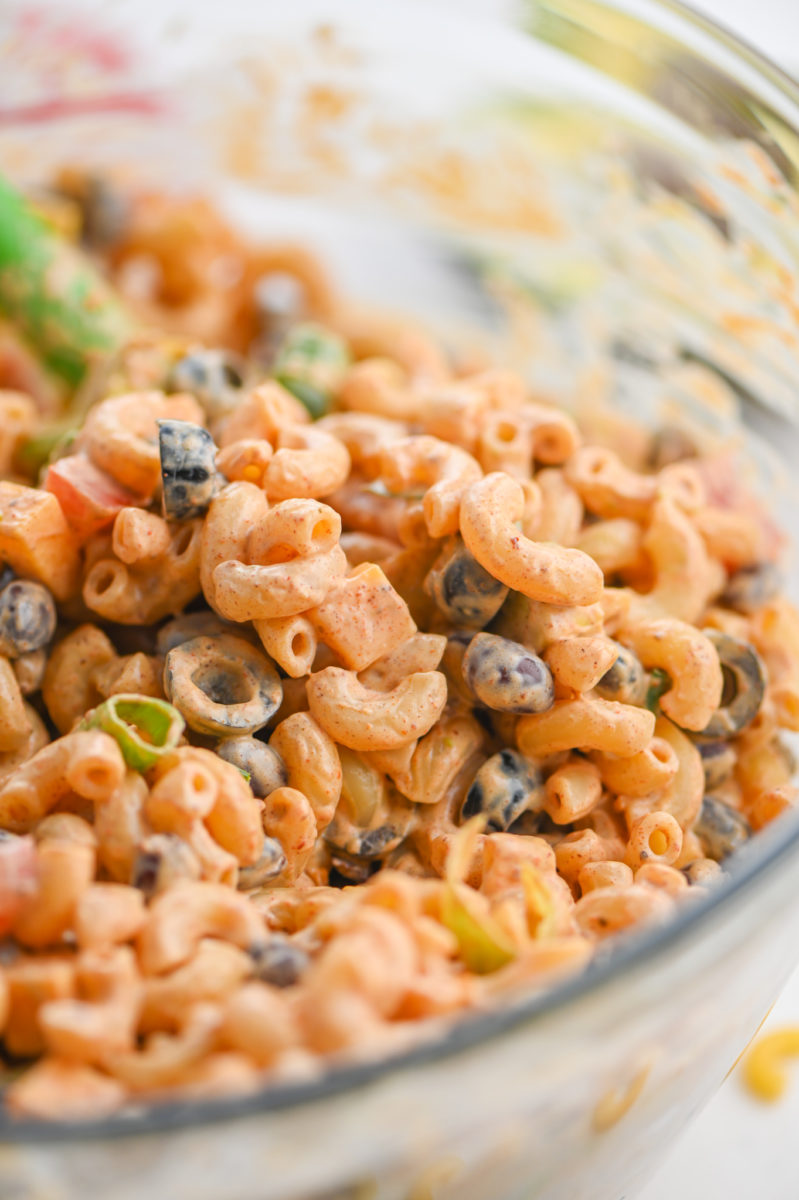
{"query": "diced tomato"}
pixel 89 498
pixel 17 877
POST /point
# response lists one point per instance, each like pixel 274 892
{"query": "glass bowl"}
pixel 604 195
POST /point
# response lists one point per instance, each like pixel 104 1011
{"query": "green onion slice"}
pixel 483 945
pixel 145 728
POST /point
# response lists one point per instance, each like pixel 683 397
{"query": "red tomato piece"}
pixel 90 499
pixel 17 877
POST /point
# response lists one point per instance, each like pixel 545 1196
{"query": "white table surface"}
pixel 740 1148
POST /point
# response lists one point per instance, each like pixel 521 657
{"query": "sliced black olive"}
pixel 369 844
pixel 751 587
pixel 162 859
pixel 718 761
pixel 188 469
pixel 214 377
pixel 506 785
pixel 279 962
pixel 463 590
pixel 626 681
pixel 721 829
pixel 264 765
pixel 191 625
pixel 223 685
pixel 744 686
pixel 347 872
pixel 27 617
pixel 506 676
pixel 532 824
pixel 271 862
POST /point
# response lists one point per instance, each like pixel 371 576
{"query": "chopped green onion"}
pixel 482 944
pixel 659 684
pixel 145 728
pixel 310 364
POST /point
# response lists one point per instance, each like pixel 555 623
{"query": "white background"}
pixel 740 1148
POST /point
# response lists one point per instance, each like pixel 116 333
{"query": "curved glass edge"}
pixel 479 1029
pixel 738 45
pixel 467 1032
pixel 620 43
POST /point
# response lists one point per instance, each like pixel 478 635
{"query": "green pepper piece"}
pixel 660 683
pixel 310 364
pixel 53 294
pixel 128 716
pixel 482 944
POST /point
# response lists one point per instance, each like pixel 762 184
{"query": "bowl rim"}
pixel 468 1030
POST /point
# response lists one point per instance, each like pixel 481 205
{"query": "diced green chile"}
pixel 718 762
pixel 751 587
pixel 506 676
pixel 744 685
pixel 145 728
pixel 271 861
pixel 214 377
pixel 506 785
pixel 280 962
pixel 721 829
pixel 310 363
pixel 222 685
pixel 625 681
pixel 659 683
pixel 27 617
pixel 188 469
pixel 463 590
pixel 265 767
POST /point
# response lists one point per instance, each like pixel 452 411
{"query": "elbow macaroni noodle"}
pixel 263 793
